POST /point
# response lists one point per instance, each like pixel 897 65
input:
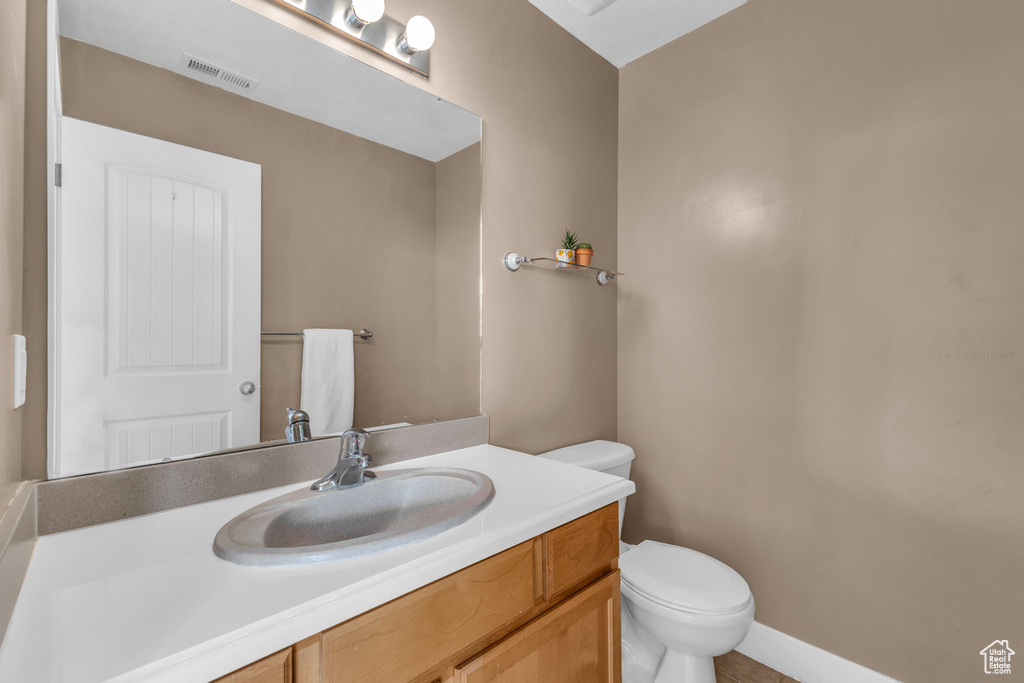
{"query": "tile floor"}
pixel 736 668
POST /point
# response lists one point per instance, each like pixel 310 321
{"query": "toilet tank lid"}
pixel 594 455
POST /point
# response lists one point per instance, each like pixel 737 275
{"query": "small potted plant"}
pixel 584 252
pixel 567 254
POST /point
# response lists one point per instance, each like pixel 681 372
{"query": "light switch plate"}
pixel 20 370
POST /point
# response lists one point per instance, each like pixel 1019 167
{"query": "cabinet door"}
pixel 578 552
pixel 410 637
pixel 576 642
pixel 277 668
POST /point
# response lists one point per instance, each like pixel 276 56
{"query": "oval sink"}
pixel 397 508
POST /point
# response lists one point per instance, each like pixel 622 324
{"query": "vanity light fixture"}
pixel 365 12
pixel 365 23
pixel 418 36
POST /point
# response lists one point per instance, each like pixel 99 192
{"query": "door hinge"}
pixel 58 175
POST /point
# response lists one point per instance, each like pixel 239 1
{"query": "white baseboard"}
pixel 802 661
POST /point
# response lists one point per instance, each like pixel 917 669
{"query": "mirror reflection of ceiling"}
pixel 624 30
pixel 331 88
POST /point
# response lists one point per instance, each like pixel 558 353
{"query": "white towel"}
pixel 328 380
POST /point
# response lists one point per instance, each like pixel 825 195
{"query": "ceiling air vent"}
pixel 217 74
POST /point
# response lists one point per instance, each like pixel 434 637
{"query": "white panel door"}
pixel 157 320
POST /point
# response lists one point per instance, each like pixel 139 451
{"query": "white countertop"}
pixel 146 598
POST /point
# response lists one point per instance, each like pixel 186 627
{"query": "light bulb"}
pixel 365 12
pixel 419 35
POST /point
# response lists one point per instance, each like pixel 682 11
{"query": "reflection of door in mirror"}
pixel 158 300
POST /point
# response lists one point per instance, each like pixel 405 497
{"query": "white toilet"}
pixel 680 608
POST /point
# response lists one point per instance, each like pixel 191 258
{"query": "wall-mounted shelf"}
pixel 514 262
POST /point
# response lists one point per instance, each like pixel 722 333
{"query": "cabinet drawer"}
pixel 576 642
pixel 580 551
pixel 277 668
pixel 407 638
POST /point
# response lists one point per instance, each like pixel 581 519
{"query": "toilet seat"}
pixel 682 579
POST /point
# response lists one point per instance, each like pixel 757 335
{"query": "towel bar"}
pixel 362 334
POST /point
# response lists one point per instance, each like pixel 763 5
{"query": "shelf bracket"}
pixel 513 261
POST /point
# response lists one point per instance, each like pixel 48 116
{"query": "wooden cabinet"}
pixel 576 642
pixel 277 668
pixel 432 624
pixel 578 552
pixel 544 610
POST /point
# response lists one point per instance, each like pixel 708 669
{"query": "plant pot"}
pixel 583 256
pixel 566 255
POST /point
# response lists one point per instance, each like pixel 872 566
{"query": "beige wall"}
pixel 456 273
pixel 12 196
pixel 823 372
pixel 33 435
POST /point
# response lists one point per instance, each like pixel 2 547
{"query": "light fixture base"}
pixel 354 21
pixel 382 36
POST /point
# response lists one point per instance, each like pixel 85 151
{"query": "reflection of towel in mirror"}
pixel 328 380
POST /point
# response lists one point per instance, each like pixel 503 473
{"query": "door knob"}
pixel 247 388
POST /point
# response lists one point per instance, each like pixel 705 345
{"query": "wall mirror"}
pixel 227 184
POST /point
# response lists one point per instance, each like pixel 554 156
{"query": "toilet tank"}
pixel 603 456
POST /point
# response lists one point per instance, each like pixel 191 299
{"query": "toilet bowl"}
pixel 680 608
pixel 691 607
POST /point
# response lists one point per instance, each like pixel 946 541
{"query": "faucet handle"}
pixel 352 442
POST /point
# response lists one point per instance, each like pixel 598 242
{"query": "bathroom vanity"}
pixel 548 604
pixel 529 584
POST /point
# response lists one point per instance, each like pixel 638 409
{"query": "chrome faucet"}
pixel 352 463
pixel 298 426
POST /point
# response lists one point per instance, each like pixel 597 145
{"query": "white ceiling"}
pixel 628 29
pixel 295 73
